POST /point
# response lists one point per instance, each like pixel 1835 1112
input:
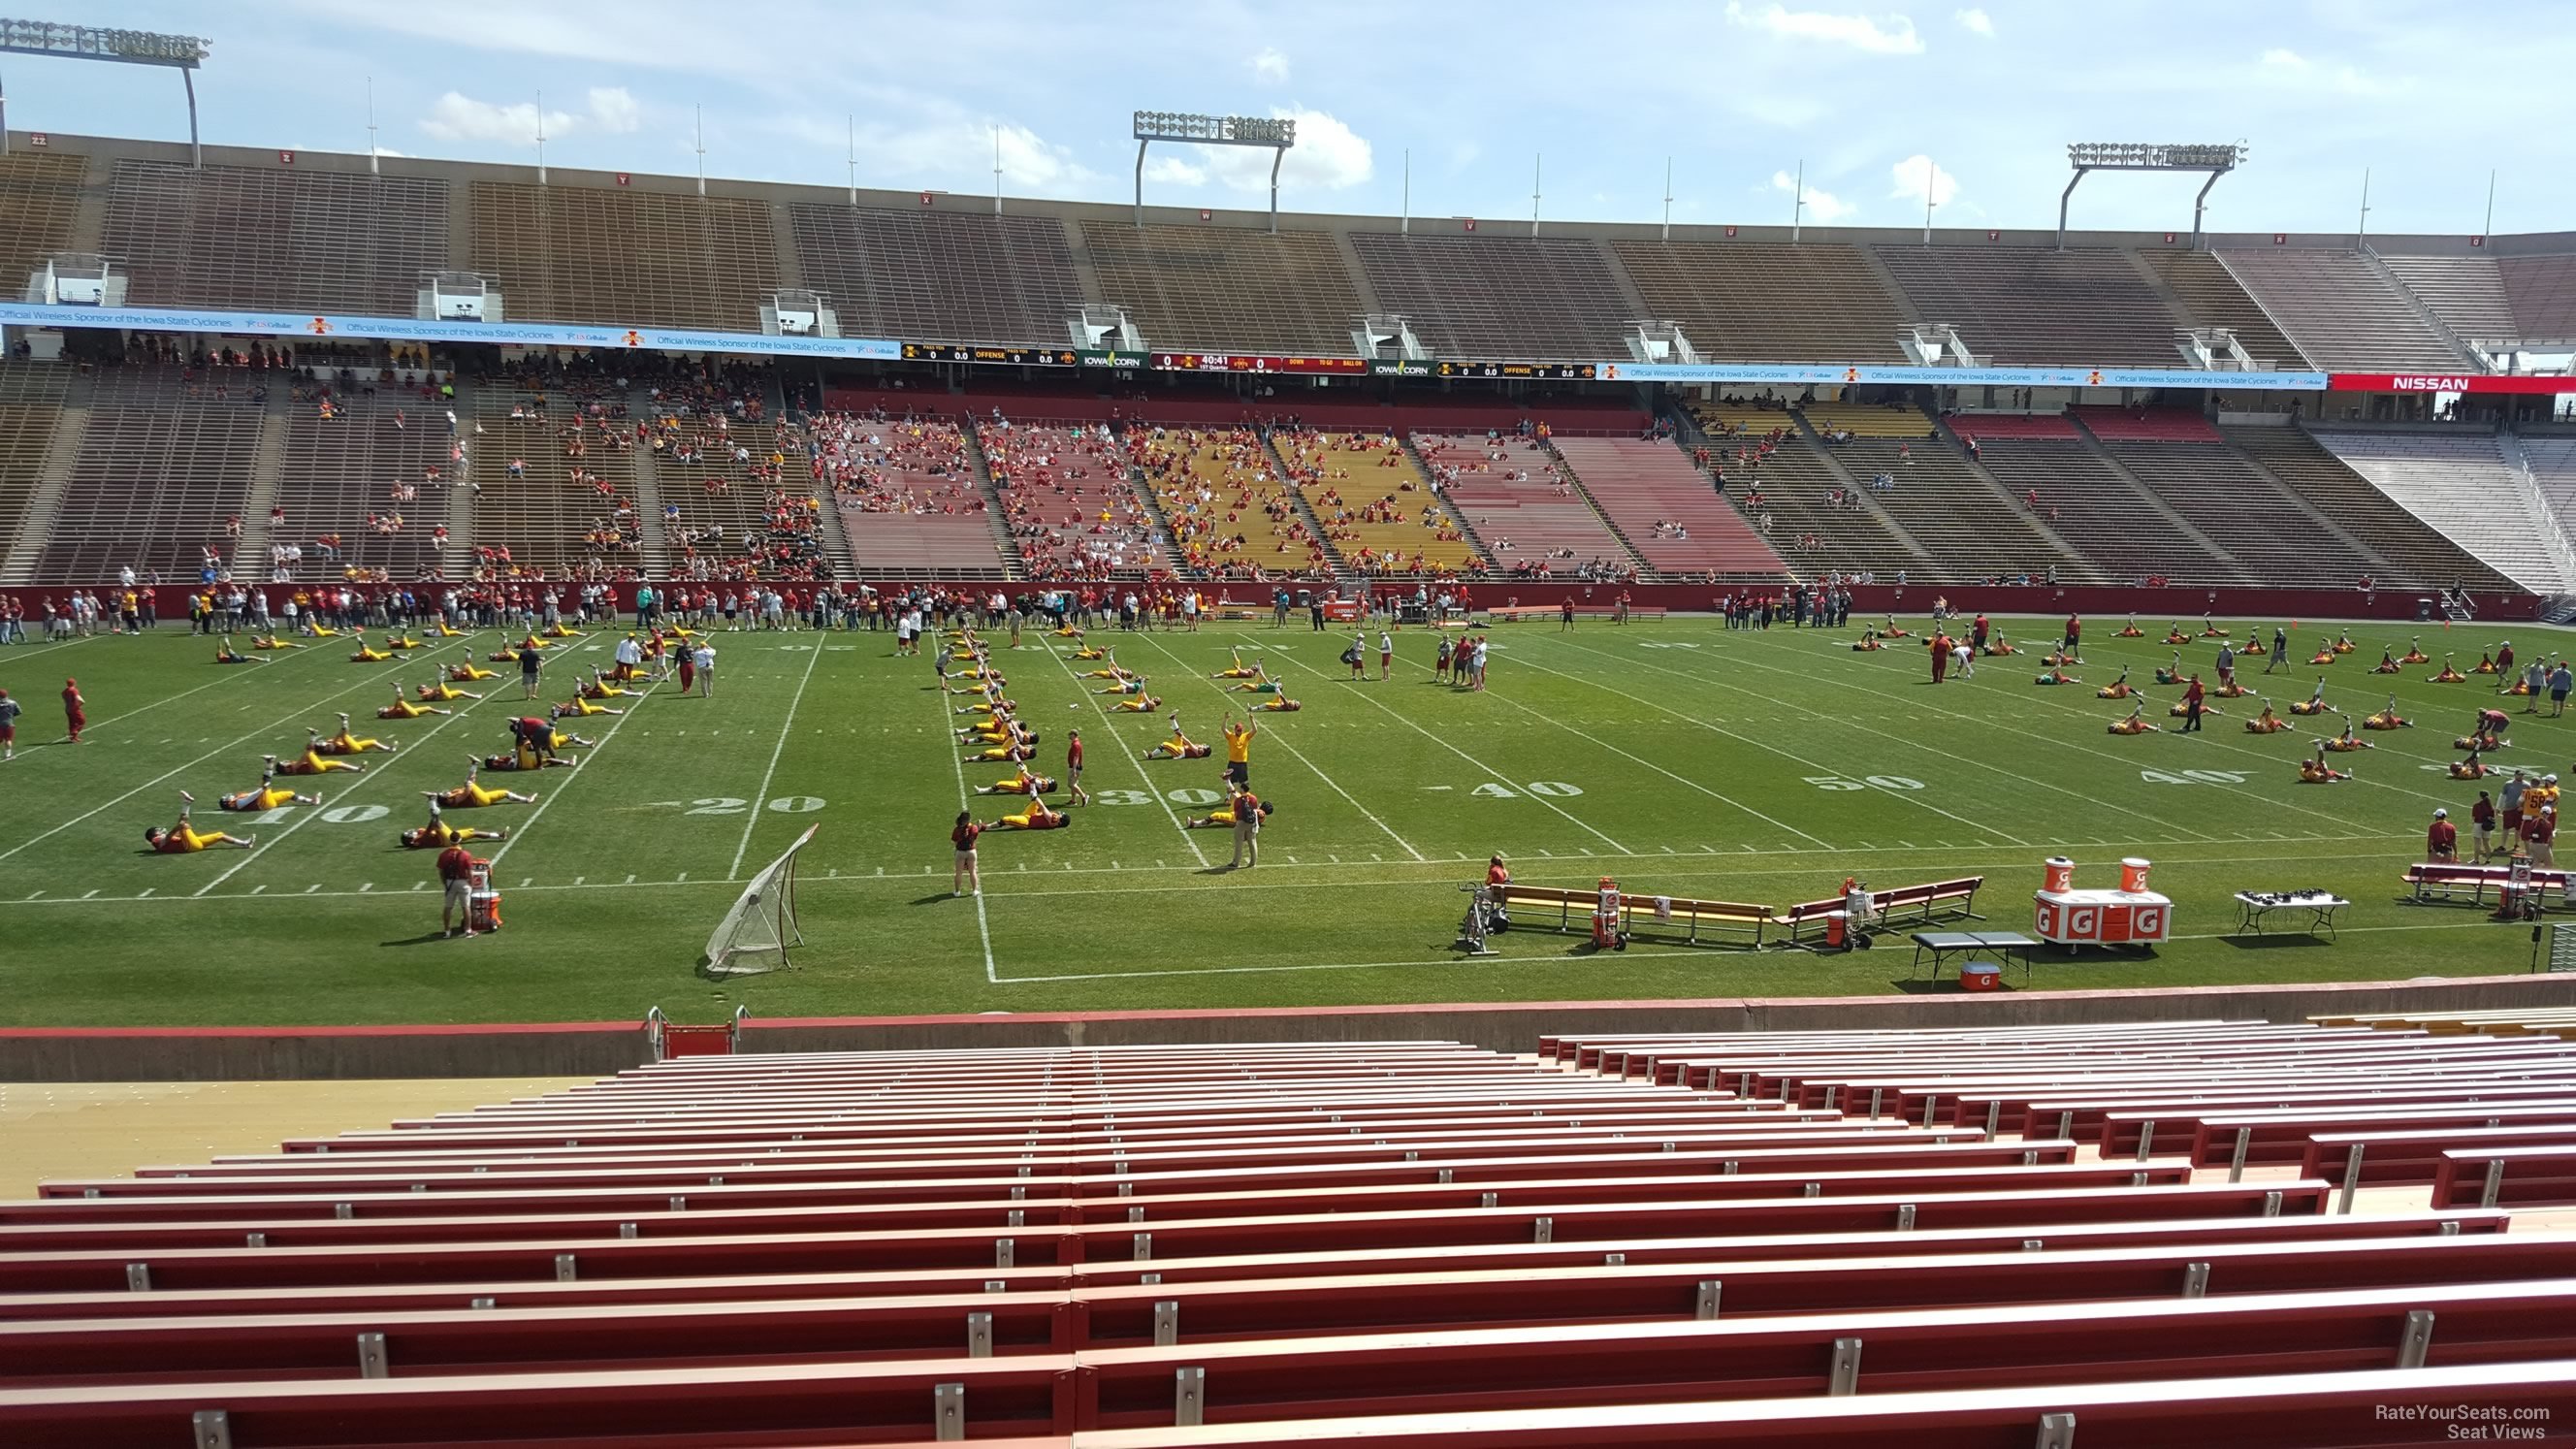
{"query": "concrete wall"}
pixel 603 1048
pixel 206 1054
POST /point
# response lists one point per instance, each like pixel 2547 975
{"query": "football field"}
pixel 1679 757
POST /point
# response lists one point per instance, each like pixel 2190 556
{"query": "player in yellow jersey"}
pixel 469 671
pixel 269 796
pixel 473 794
pixel 271 641
pixel 1238 749
pixel 443 692
pixel 344 743
pixel 403 708
pixel 185 839
pixel 438 834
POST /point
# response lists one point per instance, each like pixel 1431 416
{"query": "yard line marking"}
pixel 1109 723
pixel 1489 770
pixel 147 890
pixel 1639 759
pixel 1908 796
pixel 301 712
pixel 2382 840
pixel 966 803
pixel 751 818
pixel 300 821
pixel 1958 758
pixel 2218 741
pixel 1301 759
pixel 557 793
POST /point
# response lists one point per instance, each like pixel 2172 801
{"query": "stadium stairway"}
pixel 1344 576
pixel 53 481
pixel 2220 560
pixel 1015 565
pixel 648 494
pixel 1154 509
pixel 2082 567
pixel 1645 571
pixel 1413 455
pixel 1865 539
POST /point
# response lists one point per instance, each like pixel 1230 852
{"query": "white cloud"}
pixel 1975 21
pixel 390 151
pixel 1824 206
pixel 2285 59
pixel 1176 171
pixel 1270 65
pixel 1915 174
pixel 1328 156
pixel 1878 35
pixel 613 109
pixel 457 117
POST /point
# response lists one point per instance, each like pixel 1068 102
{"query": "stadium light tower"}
pixel 2091 156
pixel 1278 134
pixel 181 53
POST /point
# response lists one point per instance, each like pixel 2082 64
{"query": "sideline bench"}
pixel 1693 922
pixel 1507 613
pixel 2427 883
pixel 1932 900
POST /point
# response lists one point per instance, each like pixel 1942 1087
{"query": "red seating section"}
pixel 2149 425
pixel 1668 513
pixel 1854 1238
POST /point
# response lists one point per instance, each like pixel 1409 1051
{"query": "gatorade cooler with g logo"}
pixel 482 902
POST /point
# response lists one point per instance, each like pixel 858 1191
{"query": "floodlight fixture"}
pixel 2090 156
pixel 182 53
pixel 1278 133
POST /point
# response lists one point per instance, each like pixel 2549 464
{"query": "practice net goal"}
pixel 755 935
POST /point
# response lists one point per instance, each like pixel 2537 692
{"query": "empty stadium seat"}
pixel 2019 307
pixel 1762 302
pixel 1498 297
pixel 2343 313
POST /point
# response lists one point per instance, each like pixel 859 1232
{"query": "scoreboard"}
pixel 1520 371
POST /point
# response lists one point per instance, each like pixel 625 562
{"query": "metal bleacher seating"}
pixel 1760 302
pixel 165 461
pixel 1070 496
pixel 1532 524
pixel 947 276
pixel 908 498
pixel 1374 502
pixel 2542 292
pixel 1666 512
pixel 1971 531
pixel 336 472
pixel 1220 289
pixel 617 255
pixel 1772 470
pixel 2553 467
pixel 2341 311
pixel 2467 293
pixel 2087 502
pixel 31 400
pixel 547 520
pixel 2461 485
pixel 1231 514
pixel 2421 557
pixel 2034 307
pixel 2196 472
pixel 40 196
pixel 282 240
pixel 2212 297
pixel 1501 297
pixel 1829 1238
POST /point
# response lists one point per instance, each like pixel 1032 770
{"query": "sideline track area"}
pixel 1680 756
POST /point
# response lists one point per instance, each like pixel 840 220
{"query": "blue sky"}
pixel 1878 100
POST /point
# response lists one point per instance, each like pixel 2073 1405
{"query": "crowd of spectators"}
pixel 1231 516
pixel 1074 511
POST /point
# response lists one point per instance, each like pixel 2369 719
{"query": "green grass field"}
pixel 1680 757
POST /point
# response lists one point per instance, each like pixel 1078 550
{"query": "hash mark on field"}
pixel 1908 844
pixel 92 893
pixel 683 878
pixel 317 885
pixel 630 877
pixel 31 895
pixel 527 880
pixel 576 880
pixel 362 890
pixel 147 890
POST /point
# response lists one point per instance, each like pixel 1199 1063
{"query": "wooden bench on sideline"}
pixel 1903 904
pixel 2427 883
pixel 1693 922
pixel 1512 612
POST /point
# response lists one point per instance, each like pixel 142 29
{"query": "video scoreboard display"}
pixel 1521 371
pixel 996 356
pixel 1259 362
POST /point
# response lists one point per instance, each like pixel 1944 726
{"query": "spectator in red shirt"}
pixel 2442 840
